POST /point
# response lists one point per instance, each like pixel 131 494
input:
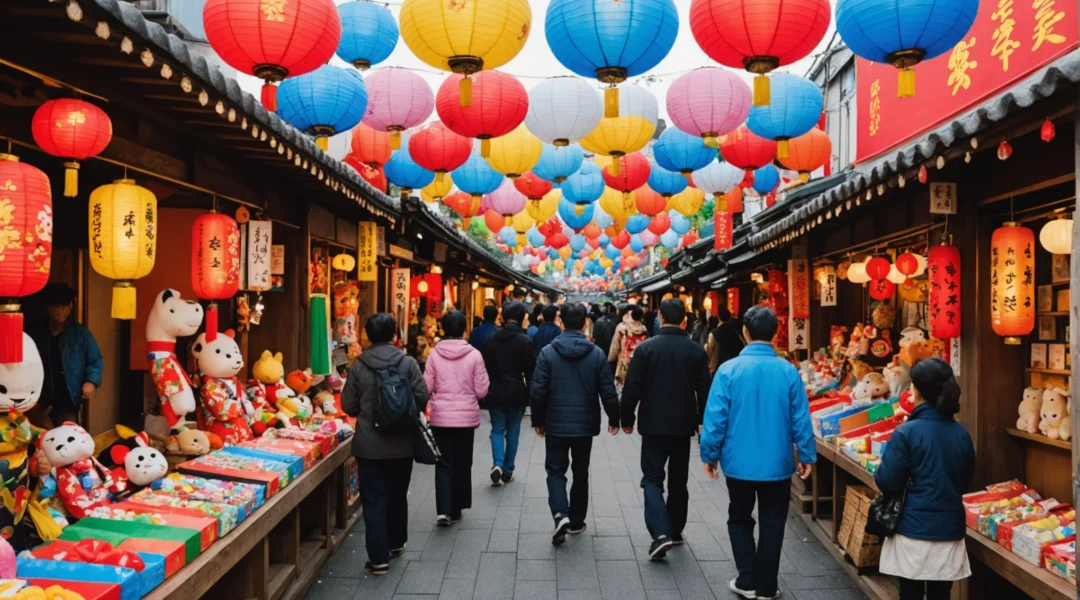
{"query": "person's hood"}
pixel 573 345
pixel 634 327
pixel 508 331
pixel 453 349
pixel 381 356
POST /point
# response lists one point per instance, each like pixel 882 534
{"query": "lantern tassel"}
pixel 71 179
pixel 439 176
pixel 616 165
pixel 395 140
pixel 611 102
pixel 509 220
pixel 465 91
pixel 11 332
pixel 721 202
pixel 322 142
pixel 485 148
pixel 905 87
pixel 269 97
pixel 711 141
pixel 211 321
pixel 123 300
pixel 804 176
pixel 579 209
pixel 781 148
pixel 761 91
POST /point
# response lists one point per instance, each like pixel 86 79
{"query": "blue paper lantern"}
pixel 558 163
pixel 603 240
pixel 601 218
pixel 664 182
pixel 635 224
pixel 535 238
pixel 636 244
pixel 402 171
pixel 568 212
pixel 669 239
pixel 904 32
pixel 552 253
pixel 679 223
pixel 508 236
pixel 476 177
pixel 324 102
pixel 577 242
pixel 766 179
pixel 708 229
pixel 585 186
pixel 369 34
pixel 794 109
pixel 679 151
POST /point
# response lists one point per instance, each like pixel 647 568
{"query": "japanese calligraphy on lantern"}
pixel 258 255
pixel 277 259
pixel 1009 40
pixel 366 253
pixel 399 301
pixel 943 264
pixel 723 231
pixel 733 301
pixel 1012 282
pixel 942 198
pixel 798 334
pixel 828 286
pixel 799 287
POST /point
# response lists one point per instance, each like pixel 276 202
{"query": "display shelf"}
pixel 1039 583
pixel 1065 372
pixel 1038 438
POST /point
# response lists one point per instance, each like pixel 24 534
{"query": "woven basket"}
pixel 863 548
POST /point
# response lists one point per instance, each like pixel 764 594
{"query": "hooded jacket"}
pixel 545 334
pixel 482 333
pixel 358 400
pixel 457 379
pixel 603 332
pixel 510 358
pixel 572 380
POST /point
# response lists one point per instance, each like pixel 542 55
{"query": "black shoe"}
pixel 734 587
pixel 677 540
pixel 658 549
pixel 767 597
pixel 455 518
pixel 562 525
pixel 507 477
pixel 396 552
pixel 376 570
pixel 496 476
pixel 576 528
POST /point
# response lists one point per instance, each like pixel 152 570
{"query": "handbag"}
pixel 425 450
pixel 885 513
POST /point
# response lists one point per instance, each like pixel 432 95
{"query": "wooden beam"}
pixel 1074 316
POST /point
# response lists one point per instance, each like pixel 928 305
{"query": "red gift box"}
pixel 178 517
pixel 270 479
pixel 89 591
pixel 310 451
pixel 174 552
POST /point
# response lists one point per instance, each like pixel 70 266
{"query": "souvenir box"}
pixel 188 537
pixel 817 417
pixel 295 463
pixel 218 465
pixel 989 524
pixel 173 552
pixel 86 589
pixel 133 584
pixel 310 451
pixel 227 516
pixel 245 496
pixel 1060 560
pixel 161 515
pixel 327 442
pixel 1030 539
pixel 74 533
pixel 150 573
pixel 830 425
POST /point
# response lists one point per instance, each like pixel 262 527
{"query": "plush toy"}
pixel 859 369
pixel 1065 426
pixel 225 406
pixel 1054 409
pixel 898 376
pixel 917 350
pixel 170 318
pixel 140 466
pixel 911 335
pixel 82 482
pixel 872 387
pixel 193 442
pixel 1029 410
pixel 836 340
pixel 859 345
pixel 20 389
pixel 265 388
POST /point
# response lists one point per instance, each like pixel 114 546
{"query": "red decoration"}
pixel 878 268
pixel 1047 132
pixel 691 237
pixel 494 221
pixel 882 289
pixel 499 105
pixel 531 186
pixel 557 240
pixel 800 288
pixel 215 263
pixel 907 264
pixel 633 172
pixel 734 199
pixel 923 175
pixel 370 146
pixel 1012 282
pixel 74 130
pixel 733 301
pixel 649 202
pixel 272 40
pixel 1004 150
pixel 375 176
pixel 25 256
pixel 550 227
pixel 592 231
pixel 943 265
pixel 778 302
pixel 436 148
pixel 770 199
pixel 622 240
pixel 427 288
pixel 660 223
pixel 745 150
pixel 465 205
pixel 747 180
pixel 722 234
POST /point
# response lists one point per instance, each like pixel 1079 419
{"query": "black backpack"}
pixel 395 405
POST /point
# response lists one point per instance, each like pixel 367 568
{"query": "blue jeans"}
pixel 505 431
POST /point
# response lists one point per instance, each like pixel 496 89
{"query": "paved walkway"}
pixel 502 549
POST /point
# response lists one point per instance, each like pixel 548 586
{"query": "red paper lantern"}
pixel 465 205
pixel 370 146
pixel 722 234
pixel 691 237
pixel 532 186
pixel 375 176
pixel 215 263
pixel 592 231
pixel 593 243
pixel 878 268
pixel 436 148
pixel 747 180
pixel 649 202
pixel 632 173
pixel 1012 282
pixel 882 289
pixel 499 105
pixel 660 223
pixel 943 265
pixel 622 240
pixel 745 150
pixel 549 227
pixel 735 200
pixel 74 130
pixel 26 249
pixel 557 240
pixel 907 264
pixel 494 221
pixel 272 40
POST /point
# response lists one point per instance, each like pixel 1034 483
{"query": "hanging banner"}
pixel 277 259
pixel 723 231
pixel 258 255
pixel 828 287
pixel 366 303
pixel 799 333
pixel 399 302
pixel 954 355
pixel 799 287
pixel 366 252
pixel 942 198
pixel 380 241
pixel 733 301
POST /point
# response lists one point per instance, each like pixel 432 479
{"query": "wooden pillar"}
pixel 1074 314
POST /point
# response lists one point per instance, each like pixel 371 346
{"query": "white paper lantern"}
pixel 718 178
pixel 895 275
pixel 1056 236
pixel 562 110
pixel 922 266
pixel 636 101
pixel 856 273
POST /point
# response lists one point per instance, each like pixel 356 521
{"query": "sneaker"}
pixel 443 521
pixel 658 549
pixel 773 597
pixel 456 518
pixel 562 525
pixel 396 552
pixel 496 476
pixel 676 540
pixel 738 590
pixel 376 570
pixel 507 477
pixel 576 528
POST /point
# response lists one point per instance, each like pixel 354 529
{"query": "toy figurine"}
pixel 139 466
pixel 871 387
pixel 20 389
pixel 171 317
pixel 265 388
pixel 82 482
pixel 1055 407
pixel 225 406
pixel 1029 410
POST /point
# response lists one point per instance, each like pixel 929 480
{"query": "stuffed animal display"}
pixel 193 442
pixel 140 466
pixel 1054 410
pixel 170 318
pixel 82 482
pixel 872 387
pixel 225 408
pixel 1029 410
pixel 898 376
pixel 265 389
pixel 20 389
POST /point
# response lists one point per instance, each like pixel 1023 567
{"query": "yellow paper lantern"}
pixel 565 252
pixel 618 204
pixel 688 202
pixel 544 208
pixel 521 223
pixel 541 268
pixel 617 137
pixel 559 264
pixel 606 262
pixel 465 37
pixel 343 262
pixel 596 254
pixel 123 239
pixel 515 153
pixel 437 190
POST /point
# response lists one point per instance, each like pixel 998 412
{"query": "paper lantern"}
pixel 515 153
pixel 745 150
pixel 272 40
pixel 403 172
pixel 758 36
pixel 637 101
pixel 323 103
pixel 895 275
pixel 689 238
pixel 1056 236
pixel 585 186
pixel 635 224
pixel 660 224
pixel 679 151
pixel 557 241
pixel 215 263
pixel 708 102
pixel 465 37
pixel 508 236
pixel 882 289
pixel 619 205
pixel 907 264
pixel 369 146
pixel 26 220
pixel 465 205
pixel 375 176
pixel 369 34
pixel 857 273
pixel 499 105
pixel 397 100
pixel 944 301
pixel 476 176
pixel 679 223
pixel 1012 282
pixel 669 239
pixel 904 33
pixel 621 241
pixel 807 153
pixel 723 234
pixel 533 187
pixel 618 136
pixel 73 130
pixel 545 207
pixel 506 200
pixel 558 163
pixel 718 179
pixel 649 202
pixel 522 222
pixel 494 221
pixel 343 262
pixel 436 148
pixel 611 40
pixel 766 178
pixel 688 202
pixel 633 173
pixel 664 182
pixel 437 190
pixel 795 109
pixel 123 239
pixel 877 268
pixel 562 110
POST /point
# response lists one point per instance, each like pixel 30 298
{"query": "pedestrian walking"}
pixel 569 387
pixel 669 376
pixel 510 359
pixel 548 330
pixel 725 341
pixel 457 379
pixel 628 335
pixel 757 411
pixel 480 334
pixel 929 461
pixel 604 329
pixel 536 318
pixel 384 460
pixel 701 328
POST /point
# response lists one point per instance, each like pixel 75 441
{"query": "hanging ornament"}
pixel 403 172
pixel 677 150
pixel 1004 150
pixel 1012 282
pixel 343 262
pixel 877 268
pixel 27 220
pixel 944 299
pixel 618 136
pixel 123 239
pixel 323 103
pixel 557 163
pixel 882 289
pixel 436 148
pixel 922 174
pixel 708 102
pixel 398 100
pixel 907 264
pixel 745 150
pixel 562 110
pixel 1047 132
pixel 369 33
pixel 74 130
pixel 1056 236
pixel 465 205
pixel 794 110
pixel 215 263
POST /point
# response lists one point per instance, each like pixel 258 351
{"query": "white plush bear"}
pixel 1055 406
pixel 140 466
pixel 911 335
pixel 170 318
pixel 1065 426
pixel 21 383
pixel 225 407
pixel 1029 410
pixel 81 481
pixel 898 376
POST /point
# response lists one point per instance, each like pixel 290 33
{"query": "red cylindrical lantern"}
pixel 499 105
pixel 215 263
pixel 722 234
pixel 660 223
pixel 878 268
pixel 882 289
pixel 436 148
pixel 733 301
pixel 745 150
pixel 1012 282
pixel 25 246
pixel 532 186
pixel 907 264
pixel 633 172
pixel 370 146
pixel 74 130
pixel 650 203
pixel 943 265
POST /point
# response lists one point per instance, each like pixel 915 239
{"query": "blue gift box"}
pixel 830 424
pixel 153 574
pixel 294 464
pixel 128 579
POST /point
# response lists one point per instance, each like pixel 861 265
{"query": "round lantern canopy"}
pixel 618 136
pixel 633 173
pixel 576 216
pixel 903 33
pixel 556 163
pixel 877 268
pixel 907 264
pixel 272 40
pixel 465 37
pixel 534 237
pixel 494 221
pixel 1012 282
pixel 895 275
pixel 619 205
pixel 669 239
pixel 664 182
pixel 649 238
pixel 437 190
pixel 577 242
pixel 745 150
pixel 679 223
pixel 585 186
pixel 322 103
pixel 592 231
pixel 465 205
pixel 508 236
pixel 403 172
pixel 758 36
pixel 648 202
pixel 545 207
pixel 562 110
pixel 123 234
pixel 26 219
pixel 635 224
pixel 766 179
pixel 369 34
pixel 679 151
pixel 499 105
pixel 436 148
pixel 944 301
pixel 370 146
pixel 637 101
pixel 882 289
pixel 515 153
pixel 215 263
pixel 397 100
pixel 718 179
pixel 708 102
pixel 476 176
pixel 1056 236
pixel 795 109
pixel 611 40
pixel 660 223
pixel 532 186
pixel 73 130
pixel 807 153
pixel 857 273
pixel 688 202
pixel 557 241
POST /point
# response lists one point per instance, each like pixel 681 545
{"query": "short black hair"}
pixel 550 312
pixel 672 311
pixel 453 324
pixel 636 312
pixel 519 292
pixel 538 312
pixel 514 311
pixel 935 382
pixel 713 323
pixel 57 294
pixel 610 308
pixel 573 316
pixel 380 328
pixel 702 314
pixel 760 322
pixel 491 313
pixel 724 314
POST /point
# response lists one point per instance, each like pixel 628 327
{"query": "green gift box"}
pixel 77 533
pixel 132 529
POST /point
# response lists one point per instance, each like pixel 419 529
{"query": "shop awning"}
pixel 657 286
pixel 645 282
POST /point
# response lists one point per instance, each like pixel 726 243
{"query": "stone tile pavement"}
pixel 502 549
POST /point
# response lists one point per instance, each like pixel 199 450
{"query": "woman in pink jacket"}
pixel 457 379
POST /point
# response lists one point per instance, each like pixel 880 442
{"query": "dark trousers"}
pixel 384 492
pixel 556 462
pixel 657 451
pixel 758 563
pixel 453 475
pixel 931 590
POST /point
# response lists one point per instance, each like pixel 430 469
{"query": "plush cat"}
pixel 225 407
pixel 82 482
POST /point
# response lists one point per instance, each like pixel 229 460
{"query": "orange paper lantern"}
pixel 807 153
pixel 370 146
pixel 1012 282
pixel 649 202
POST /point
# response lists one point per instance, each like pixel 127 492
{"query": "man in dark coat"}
pixel 604 329
pixel 510 359
pixel 485 330
pixel 571 382
pixel 547 331
pixel 669 376
pixel 725 342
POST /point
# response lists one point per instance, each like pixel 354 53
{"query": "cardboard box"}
pixel 61 571
pixel 830 425
pixel 245 496
pixel 89 591
pixel 294 463
pixel 178 517
pixel 227 516
pixel 75 533
pixel 218 465
pixel 1030 539
pixel 132 529
pixel 310 451
pixel 172 552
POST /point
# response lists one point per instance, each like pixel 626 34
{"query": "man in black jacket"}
pixel 604 329
pixel 669 376
pixel 510 359
pixel 571 376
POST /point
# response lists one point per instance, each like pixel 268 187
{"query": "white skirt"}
pixel 924 560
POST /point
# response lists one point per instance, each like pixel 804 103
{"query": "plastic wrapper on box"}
pixel 1060 560
pixel 88 590
pixel 295 464
pixel 1030 539
pixel 177 517
pixel 245 496
pixel 328 442
pixel 311 452
pixel 62 571
pixel 227 516
pixel 218 465
pixel 989 524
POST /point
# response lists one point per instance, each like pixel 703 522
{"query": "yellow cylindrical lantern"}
pixel 515 153
pixel 619 205
pixel 123 239
pixel 437 189
pixel 617 137
pixel 688 202
pixel 544 208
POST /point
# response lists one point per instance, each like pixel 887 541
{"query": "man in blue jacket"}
pixel 571 382
pixel 548 330
pixel 71 358
pixel 482 332
pixel 757 416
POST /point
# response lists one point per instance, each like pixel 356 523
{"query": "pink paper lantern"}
pixel 649 238
pixel 397 100
pixel 708 102
pixel 507 200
